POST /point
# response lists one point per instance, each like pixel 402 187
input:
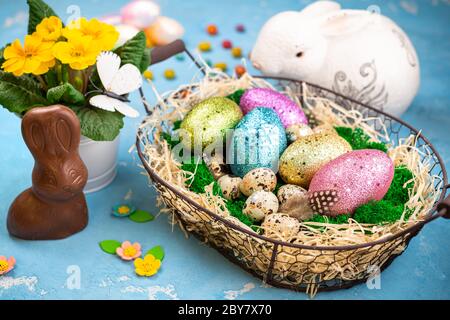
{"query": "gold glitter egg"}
pixel 303 158
pixel 208 122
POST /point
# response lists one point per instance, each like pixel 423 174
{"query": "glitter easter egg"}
pixel 289 112
pixel 140 13
pixel 208 121
pixel 164 31
pixel 256 142
pixel 349 181
pixel 304 157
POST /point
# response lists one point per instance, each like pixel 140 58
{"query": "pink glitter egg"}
pixel 349 181
pixel 288 111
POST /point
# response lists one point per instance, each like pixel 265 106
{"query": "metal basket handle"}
pixel 443 207
pixel 163 53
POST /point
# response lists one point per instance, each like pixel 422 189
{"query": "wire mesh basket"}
pixel 295 266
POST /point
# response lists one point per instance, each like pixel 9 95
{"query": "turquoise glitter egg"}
pixel 256 142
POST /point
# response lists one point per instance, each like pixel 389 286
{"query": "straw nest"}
pixel 286 264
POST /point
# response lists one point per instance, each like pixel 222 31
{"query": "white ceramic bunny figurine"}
pixel 357 53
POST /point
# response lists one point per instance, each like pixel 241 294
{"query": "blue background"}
pixel 192 270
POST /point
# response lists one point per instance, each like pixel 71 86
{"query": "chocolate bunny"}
pixel 55 206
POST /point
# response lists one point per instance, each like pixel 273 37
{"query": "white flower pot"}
pixel 100 158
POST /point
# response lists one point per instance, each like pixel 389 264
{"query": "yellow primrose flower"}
pixel 34 57
pixel 104 35
pixel 50 29
pixel 148 266
pixel 79 52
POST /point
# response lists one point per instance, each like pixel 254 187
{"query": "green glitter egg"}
pixel 208 122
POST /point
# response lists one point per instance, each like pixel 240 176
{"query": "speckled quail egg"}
pixel 294 202
pixel 230 186
pixel 260 204
pixel 280 224
pixel 296 131
pixel 216 165
pixel 258 179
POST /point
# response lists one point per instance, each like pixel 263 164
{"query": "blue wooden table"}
pixel 192 270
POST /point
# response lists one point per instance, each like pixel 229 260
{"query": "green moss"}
pixel 397 194
pixel 170 141
pixel 380 212
pixel 202 177
pixel 236 96
pixel 358 139
pixel 235 208
pixel 177 124
pixel 343 218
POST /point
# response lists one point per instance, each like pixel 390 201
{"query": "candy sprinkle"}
pixel 212 30
pixel 236 52
pixel 239 70
pixel 169 74
pixel 179 57
pixel 148 75
pixel 240 28
pixel 226 44
pixel 204 46
pixel 221 65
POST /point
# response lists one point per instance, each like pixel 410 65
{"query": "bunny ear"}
pixel 67 129
pixel 319 8
pixel 33 132
pixel 344 22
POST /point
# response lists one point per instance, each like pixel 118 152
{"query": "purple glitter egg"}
pixel 289 112
pixel 349 181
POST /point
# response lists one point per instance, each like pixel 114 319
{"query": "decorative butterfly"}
pixel 117 81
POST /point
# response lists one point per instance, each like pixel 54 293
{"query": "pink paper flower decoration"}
pixel 128 251
pixel 6 265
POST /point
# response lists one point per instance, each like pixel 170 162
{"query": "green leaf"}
pixel 110 246
pixel 141 216
pixel 38 10
pixel 19 94
pixel 145 61
pixel 65 93
pixel 157 252
pixel 2 59
pixel 133 50
pixel 98 124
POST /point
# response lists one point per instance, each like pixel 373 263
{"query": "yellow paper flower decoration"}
pixel 148 266
pixel 104 35
pixel 79 52
pixel 50 29
pixel 34 57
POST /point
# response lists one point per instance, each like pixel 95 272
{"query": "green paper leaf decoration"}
pixel 141 216
pixel 98 124
pixel 19 94
pixel 110 246
pixel 157 252
pixel 133 51
pixel 38 11
pixel 65 94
